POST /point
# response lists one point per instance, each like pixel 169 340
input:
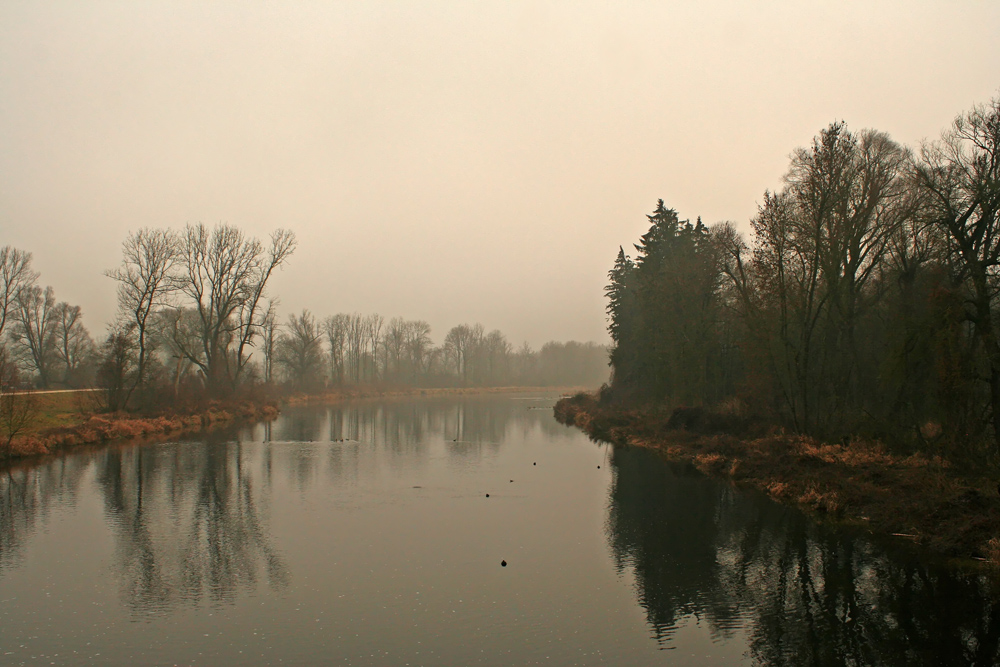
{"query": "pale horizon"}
pixel 436 161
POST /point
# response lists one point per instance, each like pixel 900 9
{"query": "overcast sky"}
pixel 448 161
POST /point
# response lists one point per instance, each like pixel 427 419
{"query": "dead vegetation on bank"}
pixel 63 421
pixel 61 426
pixel 921 498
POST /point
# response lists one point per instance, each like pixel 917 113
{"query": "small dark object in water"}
pixel 534 464
pixel 511 480
pixel 487 495
pixel 503 563
pixel 598 467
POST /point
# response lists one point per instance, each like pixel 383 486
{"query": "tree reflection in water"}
pixel 187 523
pixel 190 522
pixel 805 595
pixel 27 493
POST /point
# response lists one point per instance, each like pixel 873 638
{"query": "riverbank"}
pixel 922 499
pixel 62 426
pixel 67 420
pixel 340 395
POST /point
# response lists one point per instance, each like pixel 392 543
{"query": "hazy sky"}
pixel 450 161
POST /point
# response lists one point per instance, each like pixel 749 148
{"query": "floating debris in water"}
pixel 487 495
pixel 503 563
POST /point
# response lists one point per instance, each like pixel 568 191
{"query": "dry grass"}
pixel 59 410
pixel 65 421
pixel 921 498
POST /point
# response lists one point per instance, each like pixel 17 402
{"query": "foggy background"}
pixel 454 162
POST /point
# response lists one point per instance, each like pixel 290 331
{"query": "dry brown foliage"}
pixel 922 498
pixel 97 429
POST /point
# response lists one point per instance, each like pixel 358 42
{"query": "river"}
pixel 376 532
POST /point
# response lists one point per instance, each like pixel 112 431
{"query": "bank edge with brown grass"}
pixel 919 498
pixel 65 423
pixel 93 429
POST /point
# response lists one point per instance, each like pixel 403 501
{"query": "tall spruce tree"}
pixel 622 315
pixel 663 312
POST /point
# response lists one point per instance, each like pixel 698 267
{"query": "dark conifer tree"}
pixel 622 314
pixel 663 311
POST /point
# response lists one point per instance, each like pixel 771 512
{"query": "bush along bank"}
pixel 923 499
pixel 105 428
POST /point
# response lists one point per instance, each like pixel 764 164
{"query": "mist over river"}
pixel 374 532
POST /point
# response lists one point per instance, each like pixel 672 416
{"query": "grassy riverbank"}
pixel 923 499
pixel 64 420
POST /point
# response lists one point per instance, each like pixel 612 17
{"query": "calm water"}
pixel 362 535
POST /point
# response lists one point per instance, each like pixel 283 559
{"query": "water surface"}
pixel 362 534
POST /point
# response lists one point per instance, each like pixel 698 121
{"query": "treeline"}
pixel 351 349
pixel 195 320
pixel 43 342
pixel 863 302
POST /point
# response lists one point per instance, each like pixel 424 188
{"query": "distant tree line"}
pixel 865 299
pixel 351 349
pixel 195 320
pixel 42 342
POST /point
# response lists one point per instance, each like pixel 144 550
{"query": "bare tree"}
pixel 225 275
pixel 373 329
pixel 35 329
pixel 336 328
pixel 525 362
pixel 960 176
pixel 269 338
pixel 175 330
pixel 418 346
pixel 820 246
pixel 145 280
pixel 116 372
pixel 496 357
pixel 252 313
pixel 300 351
pixel 850 199
pixel 460 345
pixel 394 343
pixel 15 275
pixel 73 346
pixel 356 338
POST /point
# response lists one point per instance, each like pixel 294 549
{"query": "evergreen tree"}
pixel 622 313
pixel 663 311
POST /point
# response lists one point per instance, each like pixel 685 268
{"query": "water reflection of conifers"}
pixel 805 595
pixel 187 524
pixel 665 527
